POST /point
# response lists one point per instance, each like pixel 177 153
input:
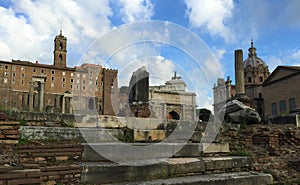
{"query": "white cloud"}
pixel 136 10
pixel 211 15
pixel 296 55
pixel 273 62
pixel 30 27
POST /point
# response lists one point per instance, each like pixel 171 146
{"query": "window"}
pixel 78 75
pixel 52 78
pixel 282 106
pixel 63 85
pixel 0 66
pixel 33 70
pixel 22 82
pixel 42 71
pixel 83 87
pixel 78 81
pixel 83 81
pixel 83 75
pixel 6 67
pixel 261 79
pixel 13 68
pixel 52 84
pixel 96 82
pixel 274 109
pixel 13 81
pixel 292 104
pixel 23 75
pixel 5 80
pixel 60 57
pixel 71 86
pixel 60 46
pixel 53 72
pixel 63 73
pixel 5 73
pixel 71 80
pixel 14 75
pixel 249 80
pixel 22 68
pixel 72 74
pixel 63 79
pixel 259 95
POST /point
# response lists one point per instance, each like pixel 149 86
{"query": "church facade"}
pixel 36 87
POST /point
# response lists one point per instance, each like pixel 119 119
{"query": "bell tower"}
pixel 60 50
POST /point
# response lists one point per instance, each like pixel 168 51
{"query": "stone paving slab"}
pixel 239 178
pixel 93 172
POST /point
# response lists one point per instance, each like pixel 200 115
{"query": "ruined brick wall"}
pixel 24 162
pixel 275 149
pixel 40 163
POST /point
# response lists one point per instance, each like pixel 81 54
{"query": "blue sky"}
pixel 27 30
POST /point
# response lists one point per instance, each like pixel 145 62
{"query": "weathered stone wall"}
pixel 69 134
pixel 275 148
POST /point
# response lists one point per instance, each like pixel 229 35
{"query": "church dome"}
pixel 253 60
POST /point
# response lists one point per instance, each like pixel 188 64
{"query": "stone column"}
pixel 71 106
pixel 31 91
pixel 41 96
pixel 63 105
pixel 182 112
pixel 239 72
pixel 164 111
pixel 228 88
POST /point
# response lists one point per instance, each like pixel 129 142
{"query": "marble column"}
pixel 31 91
pixel 239 72
pixel 41 96
pixel 63 105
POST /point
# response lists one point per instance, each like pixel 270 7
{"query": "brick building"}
pixel 35 87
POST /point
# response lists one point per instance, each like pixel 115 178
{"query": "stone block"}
pixel 208 148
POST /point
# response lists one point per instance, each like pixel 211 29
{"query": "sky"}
pixel 28 28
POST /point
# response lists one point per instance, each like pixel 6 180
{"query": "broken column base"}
pixel 242 98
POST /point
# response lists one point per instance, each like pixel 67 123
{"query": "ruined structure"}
pixel 169 101
pixel 249 77
pixel 139 86
pixel 35 87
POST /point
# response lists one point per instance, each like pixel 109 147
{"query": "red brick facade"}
pixel 35 87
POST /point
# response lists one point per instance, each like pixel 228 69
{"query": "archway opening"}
pixel 173 115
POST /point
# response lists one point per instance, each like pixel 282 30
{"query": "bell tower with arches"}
pixel 60 50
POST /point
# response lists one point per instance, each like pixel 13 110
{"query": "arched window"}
pixel 60 46
pixel 249 80
pixel 60 57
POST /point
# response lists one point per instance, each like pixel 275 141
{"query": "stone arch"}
pixel 173 115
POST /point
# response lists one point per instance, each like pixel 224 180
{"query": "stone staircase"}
pixel 165 163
